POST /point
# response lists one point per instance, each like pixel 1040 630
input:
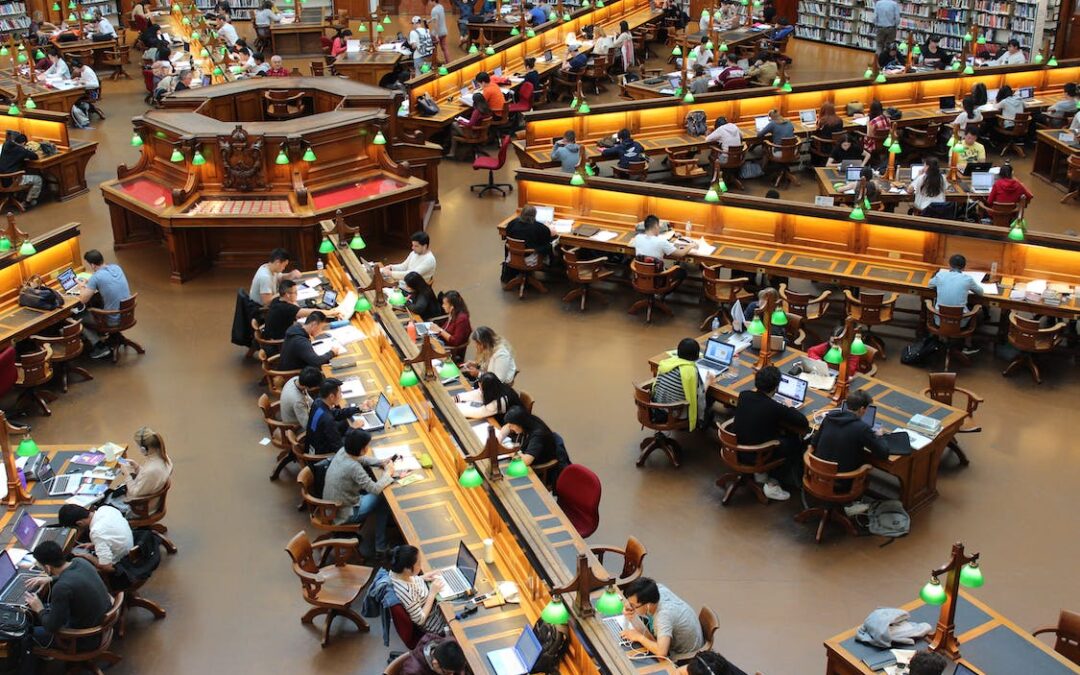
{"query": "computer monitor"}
pixel 991 95
pixel 719 351
pixel 982 181
pixel 808 117
pixel 761 122
pixel 792 388
pixel 917 170
pixel 1026 93
pixel 854 173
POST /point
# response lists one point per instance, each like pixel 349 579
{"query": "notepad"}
pixel 323 347
pixel 352 388
pixel 347 334
pixel 704 248
pixel 306 293
pixel 313 282
pixel 405 462
pixel 604 235
pixel 990 289
pixel 562 226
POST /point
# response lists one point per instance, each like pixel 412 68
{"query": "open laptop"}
pixel 870 416
pixel 519 659
pixel 853 173
pixel 68 281
pixel 718 355
pixel 947 103
pixel 1026 93
pixel 991 96
pixel 461 578
pixel 375 420
pixel 849 163
pixel 761 122
pixel 817 373
pixel 616 625
pixel 30 533
pixel 12 581
pixel 808 118
pixel 545 214
pixel 982 181
pixel 972 167
pixel 66 484
pixel 791 392
pixel 329 300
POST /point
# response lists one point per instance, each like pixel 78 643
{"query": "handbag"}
pixel 854 108
pixel 426 106
pixel 36 295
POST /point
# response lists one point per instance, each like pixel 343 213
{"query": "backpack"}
pixel 553 646
pixel 425 45
pixel 919 351
pixel 887 518
pixel 696 123
pixel 36 295
pixel 426 106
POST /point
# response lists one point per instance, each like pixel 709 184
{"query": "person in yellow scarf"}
pixel 677 379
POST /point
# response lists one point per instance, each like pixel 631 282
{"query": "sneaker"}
pixel 970 351
pixel 856 509
pixel 760 478
pixel 101 351
pixel 775 492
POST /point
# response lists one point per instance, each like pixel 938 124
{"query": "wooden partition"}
pixel 57 249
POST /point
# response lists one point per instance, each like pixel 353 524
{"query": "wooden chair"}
pixel 1001 214
pixel 742 473
pixel 131 593
pixel 297 442
pixel 64 647
pixel 1029 338
pixel 323 511
pixel 147 513
pixel 526 262
pixel 722 293
pixel 650 281
pixel 633 560
pixel 820 481
pixel 66 347
pixel 638 171
pixel 283 105
pixel 810 308
pixel 34 371
pixel 943 389
pixel 275 431
pixel 734 156
pixel 1066 634
pixel 275 379
pixel 563 84
pixel 263 39
pixel 267 346
pixel 1073 176
pixel 117 57
pixel 871 309
pixel 596 71
pixel 476 135
pixel 683 163
pixel 112 334
pixel 952 325
pixel 918 142
pixel 784 154
pixel 317 68
pixel 821 148
pixel 709 625
pixel 11 186
pixel 874 134
pixel 672 420
pixel 396 667
pixel 1013 137
pixel 330 589
pixel 583 274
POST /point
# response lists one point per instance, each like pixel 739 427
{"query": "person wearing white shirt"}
pixel 110 533
pixel 226 31
pixel 80 112
pixel 1012 55
pixel 59 67
pixel 929 187
pixel 1074 126
pixel 649 244
pixel 104 27
pixel 87 77
pixel 421 260
pixel 265 15
pixel 725 134
pixel 970 115
pixel 1008 105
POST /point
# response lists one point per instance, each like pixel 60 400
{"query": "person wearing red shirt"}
pixel 277 69
pixel 817 352
pixel 455 330
pixel 492 93
pixel 1007 190
pixel 878 120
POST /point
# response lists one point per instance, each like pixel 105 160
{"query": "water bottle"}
pixel 319 265
pixel 715 326
pixel 689 228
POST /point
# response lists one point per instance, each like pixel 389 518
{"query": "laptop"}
pixel 30 533
pixel 616 625
pixel 982 181
pixel 12 581
pixel 791 392
pixel 947 103
pixel 899 443
pixel 853 173
pixel 67 484
pixel 718 356
pixel 548 56
pixel 545 214
pixel 68 281
pixel 917 170
pixel 848 163
pixel 586 230
pixel 870 416
pixel 375 420
pixel 519 659
pixel 329 300
pixel 761 122
pixel 461 578
pixel 808 118
pixel 991 96
pixel 817 373
pixel 972 167
pixel 1026 93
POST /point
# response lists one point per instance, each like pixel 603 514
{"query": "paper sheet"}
pixel 990 289
pixel 562 226
pixel 313 282
pixel 323 347
pixel 406 461
pixel 481 431
pixel 347 334
pixel 305 293
pixel 918 441
pixel 703 247
pixel 352 388
pixel 604 235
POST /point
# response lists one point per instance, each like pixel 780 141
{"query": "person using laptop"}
pixel 969 116
pixel 953 287
pixel 971 150
pixel 456 327
pixel 492 398
pixel 420 260
pixel 699 84
pixel 1008 190
pixel 297 350
pixel 350 482
pixel 706 663
pixel 152 472
pixel 417 592
pixel 110 535
pixel 926 662
pixel 1008 105
pixel 843 437
pixel 265 282
pixel 759 418
pixel 678 379
pixel 107 281
pixel 1012 56
pixel 537 442
pixel 929 187
pixel 283 313
pixel 296 396
pixel 933 56
pixel 731 71
pixel 818 351
pixel 672 627
pixel 13 158
pixel 891 60
pixel 847 150
pixel 435 655
pixel 329 418
pixel 493 354
pixel 534 234
pixel 649 245
pixel 626 149
pixel 421 299
pixel 828 122
pixel 726 134
pixel 78 598
pixel 1064 109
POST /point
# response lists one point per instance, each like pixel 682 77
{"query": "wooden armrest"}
pixel 864 469
pixel 78 633
pixel 759 446
pixel 1045 629
pixel 96 311
pixel 47 338
pixel 1055 329
pixel 825 295
pixel 313 577
pixel 599 551
pixel 669 406
pixel 278 424
pixel 970 394
pixel 592 263
pixel 334 543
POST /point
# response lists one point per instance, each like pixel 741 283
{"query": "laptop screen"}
pixel 67 279
pixel 947 102
pixel 1026 93
pixel 7 569
pixel 545 214
pixel 761 122
pixel 497 72
pixel 466 563
pixel 329 298
pixel 982 181
pixel 870 416
pixel 854 173
pixel 528 648
pixel 792 388
pixel 382 408
pixel 719 351
pixel 808 116
pixel 26 529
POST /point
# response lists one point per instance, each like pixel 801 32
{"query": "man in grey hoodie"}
pixel 567 152
pixel 109 282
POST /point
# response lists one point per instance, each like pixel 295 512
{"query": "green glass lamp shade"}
pixel 39 55
pixel 363 28
pixel 5 244
pixel 555 613
pixel 515 31
pixel 880 79
pixel 600 4
pixel 786 88
pixel 1038 58
pixel 363 304
pixel 834 356
pixel 443 71
pixel 56 7
pixel 968 70
pixel 1052 62
pixel 309 155
pixel 586 4
pixel 902 47
pixel 175 7
pixel 136 141
pixel 609 603
pixel 489 50
pixel 677 51
pixel 678 92
pixel 778 317
pixel 386 19
pixel 357 243
pixel 552 15
pixel 709 44
pixel 470 478
pixel 30 105
pixel 723 46
pixel 449 370
pixel 895 149
pixel 4 51
pixel 916 50
pixel 236 70
pixel 408 378
pixel 379 28
pixel 22 57
pixel 584 108
pixel 566 16
pixel 888 141
pixel 281 158
pixel 744 3
pixel 1016 231
pixel 28 448
pixel 958 147
pixel 756 327
pixel 531 33
pixel 27 248
pixel 711 195
pixel 217 70
pixel 776 81
pixel 932 593
pixel 868 73
pixel 970 574
pixel 517 467
pixel 951 142
pixel 397 299
pixel 176 156
pixel 981 40
pixel 955 65
pixel 857 213
pixel 72 18
pixel 704 13
pixel 379 139
pixel 577 180
pixel 88 17
pixel 197 159
pixel 967 37
pixel 186 21
pixel 589 171
pixel 204 52
pixel 858 347
pixel 866 203
pixel 326 246
pixel 689 98
pixel 574 103
pixel 722 185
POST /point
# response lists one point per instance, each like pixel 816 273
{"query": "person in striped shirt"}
pixel 412 589
pixel 678 379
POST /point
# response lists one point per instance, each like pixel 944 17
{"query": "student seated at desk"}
pixel 183 80
pixel 493 355
pixel 420 260
pixel 877 120
pixel 226 30
pixel 602 42
pixel 782 30
pixel 103 28
pixel 764 70
pixel 261 67
pixel 1008 105
pixel 536 15
pixel 13 157
pixel 843 436
pixel 152 472
pixel 283 312
pixel 538 444
pixel 778 129
pixel 110 535
pixel 567 152
pixel 1008 190
pixel 493 94
pixel 649 245
pixel 678 379
pixel 848 149
pixel 58 68
pixel 277 68
pixel 297 350
pixel 828 122
pixel 700 54
pixel 732 70
pixel 534 234
pixel 926 662
pixel 574 61
pixel 421 299
pixel 80 112
pixel 891 59
pixel 971 150
pixel 480 113
pixel 328 420
pixel 725 134
pixel 952 288
pixel 1012 56
pixel 265 282
pixel 626 149
pixel 871 190
pixel 929 187
pixel 674 630
pixel 411 587
pixel 351 483
pixel 700 83
pixel 491 398
pixel 760 419
pixel 818 351
pixel 435 655
pixel 108 282
pixel 340 44
pixel 456 328
pixel 531 73
pixel 969 116
pixel 296 396
pixel 706 663
pixel 933 56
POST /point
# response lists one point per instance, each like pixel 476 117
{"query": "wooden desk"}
pixel 988 641
pixel 95 46
pixel 829 177
pixel 917 472
pixel 535 544
pixel 57 250
pixel 734 38
pixel 367 67
pixel 295 39
pixel 494 30
pixel 888 252
pixel 65 171
pixel 46 98
pixel 1052 157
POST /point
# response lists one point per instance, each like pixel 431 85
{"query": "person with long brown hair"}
pixel 828 121
pixel 493 355
pixel 155 469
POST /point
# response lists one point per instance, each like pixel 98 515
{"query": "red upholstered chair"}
pixel 524 102
pixel 578 494
pixel 8 372
pixel 409 632
pixel 492 164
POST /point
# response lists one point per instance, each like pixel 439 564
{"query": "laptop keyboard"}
pixel 14 593
pixel 455 582
pixel 615 626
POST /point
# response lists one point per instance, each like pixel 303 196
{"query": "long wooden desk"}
pixel 1052 157
pixel 298 38
pixel 46 98
pixel 367 67
pixel 887 251
pixel 917 472
pixel 536 546
pixel 917 96
pixel 56 250
pixel 94 46
pixel 988 641
pixel 65 172
pixel 829 177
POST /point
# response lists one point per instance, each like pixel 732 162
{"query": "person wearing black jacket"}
pixel 934 56
pixel 13 157
pixel 536 235
pixel 538 443
pixel 843 436
pixel 422 300
pixel 297 350
pixel 328 420
pixel 759 419
pixel 283 312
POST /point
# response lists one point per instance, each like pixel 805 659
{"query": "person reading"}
pixel 649 246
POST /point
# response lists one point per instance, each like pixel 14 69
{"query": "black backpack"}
pixel 553 647
pixel 696 123
pixel 919 351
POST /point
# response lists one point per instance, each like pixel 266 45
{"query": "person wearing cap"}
pixel 575 60
pixel 13 157
pixel 421 43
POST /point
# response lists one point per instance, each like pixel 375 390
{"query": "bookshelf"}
pixel 244 10
pixel 14 19
pixel 850 23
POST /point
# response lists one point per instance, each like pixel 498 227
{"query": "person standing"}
pixel 421 42
pixel 886 19
pixel 438 28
